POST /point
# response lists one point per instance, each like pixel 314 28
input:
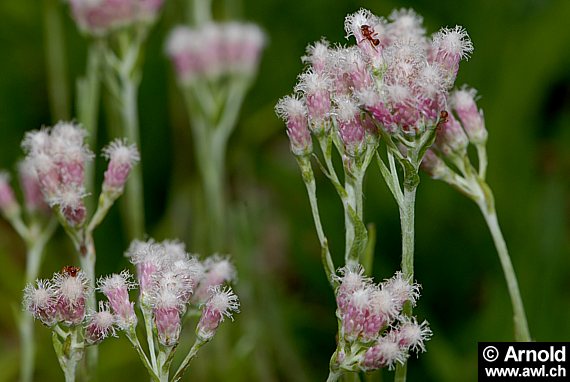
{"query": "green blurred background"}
pixel 521 67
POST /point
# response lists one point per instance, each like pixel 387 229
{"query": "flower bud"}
pixel 385 353
pixel 351 129
pixel 434 166
pixel 100 325
pixel 122 158
pixel 316 88
pixel 294 112
pixel 40 301
pixel 166 309
pixel 148 257
pixel 451 139
pixel 402 290
pixel 116 288
pixel 449 46
pixel 217 271
pixel 71 292
pixel 33 197
pixel 463 102
pixel 411 335
pixel 223 302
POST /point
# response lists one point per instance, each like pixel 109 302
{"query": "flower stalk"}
pixel 450 162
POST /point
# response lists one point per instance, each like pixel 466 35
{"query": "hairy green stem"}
pixel 87 258
pixel 309 180
pixel 407 210
pixel 522 333
pixel 147 316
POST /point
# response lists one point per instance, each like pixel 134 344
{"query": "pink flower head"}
pixel 217 271
pixel 316 87
pixel 431 91
pixel 58 156
pixel 355 319
pixel 31 188
pixel 148 257
pixel 174 250
pixel 318 56
pixel 100 17
pixel 385 353
pixel 353 68
pixel 384 307
pixel 40 301
pixel 8 203
pixel 122 158
pixel 434 166
pixel 70 202
pixel 350 280
pixel 451 139
pixel 463 102
pixel 241 46
pixel 373 102
pixel 167 307
pixel 100 325
pixel 405 25
pixel 222 302
pixel 449 46
pixel 293 111
pixel 351 129
pixel 71 291
pixel 411 335
pixel 180 278
pixel 368 30
pixel 116 288
pixel 402 290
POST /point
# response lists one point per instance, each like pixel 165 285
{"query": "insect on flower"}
pixel 369 34
pixel 443 118
pixel 70 270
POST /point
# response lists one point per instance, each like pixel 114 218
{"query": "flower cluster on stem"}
pixel 172 284
pixel 57 157
pixel 215 65
pixel 391 86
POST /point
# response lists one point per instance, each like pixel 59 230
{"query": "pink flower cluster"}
pixel 395 78
pixel 215 50
pixel 62 300
pixel 56 159
pixel 170 279
pixel 371 315
pixel 99 17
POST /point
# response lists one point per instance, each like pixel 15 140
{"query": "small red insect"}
pixel 369 34
pixel 443 118
pixel 70 270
